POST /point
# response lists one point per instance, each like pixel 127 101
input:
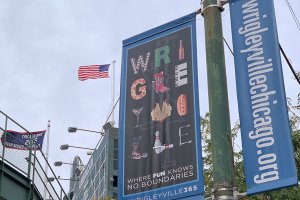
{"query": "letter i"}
pixel 181 50
pixel 157 142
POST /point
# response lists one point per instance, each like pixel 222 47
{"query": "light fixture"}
pixel 74 129
pixel 51 179
pixel 67 146
pixel 89 153
pixel 60 163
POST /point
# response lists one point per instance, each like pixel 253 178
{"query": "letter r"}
pixel 162 53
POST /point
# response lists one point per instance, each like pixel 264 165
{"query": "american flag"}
pixel 93 72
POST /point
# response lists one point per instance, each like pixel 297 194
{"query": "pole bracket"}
pixel 219 5
pixel 236 194
pixel 223 193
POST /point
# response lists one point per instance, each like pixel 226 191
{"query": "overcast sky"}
pixel 42 44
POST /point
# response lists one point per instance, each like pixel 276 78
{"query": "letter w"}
pixel 250 6
pixel 140 63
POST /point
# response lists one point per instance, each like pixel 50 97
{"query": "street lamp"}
pixel 51 179
pixel 89 153
pixel 60 163
pixel 74 129
pixel 66 146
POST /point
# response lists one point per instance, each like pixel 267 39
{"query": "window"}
pixel 116 143
pixel 115 164
pixel 115 182
pixel 115 154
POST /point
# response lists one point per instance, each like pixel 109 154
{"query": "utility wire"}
pixel 289 64
pixel 112 110
pixel 293 14
pixel 284 55
pixel 106 122
pixel 228 46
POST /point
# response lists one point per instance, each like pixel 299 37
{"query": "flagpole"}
pixel 113 93
pixel 46 164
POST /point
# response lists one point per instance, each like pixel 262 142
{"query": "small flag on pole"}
pixel 23 140
pixel 93 72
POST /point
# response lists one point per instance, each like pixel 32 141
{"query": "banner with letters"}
pixel 266 137
pixel 159 131
pixel 21 140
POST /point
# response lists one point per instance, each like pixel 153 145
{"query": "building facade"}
pixel 98 179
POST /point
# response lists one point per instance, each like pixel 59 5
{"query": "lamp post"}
pixel 67 146
pixel 60 163
pixel 105 127
pixel 74 129
pixel 51 179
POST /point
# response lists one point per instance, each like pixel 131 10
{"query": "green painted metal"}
pixel 218 101
pixel 2 164
pixel 22 175
pixel 17 186
pixel 29 165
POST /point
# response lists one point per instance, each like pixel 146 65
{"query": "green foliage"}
pixel 207 158
pixel 292 193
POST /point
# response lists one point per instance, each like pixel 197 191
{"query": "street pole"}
pixel 47 157
pixel 113 94
pixel 222 153
pixel 60 194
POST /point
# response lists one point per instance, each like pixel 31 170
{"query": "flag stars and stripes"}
pixel 93 72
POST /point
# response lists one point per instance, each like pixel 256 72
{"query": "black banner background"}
pixel 179 161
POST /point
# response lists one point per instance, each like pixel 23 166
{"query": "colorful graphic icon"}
pixel 157 144
pixel 160 114
pixel 137 112
pixel 135 154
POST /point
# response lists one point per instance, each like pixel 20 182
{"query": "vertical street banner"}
pixel 159 135
pixel 266 137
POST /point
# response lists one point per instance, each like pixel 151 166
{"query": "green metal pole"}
pixel 29 164
pixel 3 154
pixel 222 152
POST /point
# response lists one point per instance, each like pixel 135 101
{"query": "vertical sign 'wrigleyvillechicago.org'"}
pixel 160 146
pixel 267 147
